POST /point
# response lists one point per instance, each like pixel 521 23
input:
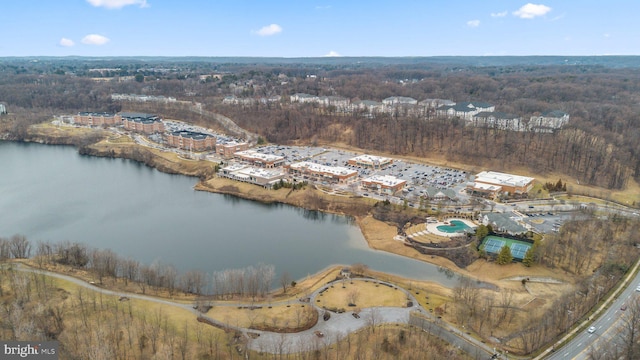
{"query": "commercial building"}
pixel 259 159
pixel 384 184
pixel 496 182
pixel 97 118
pixel 370 161
pixel 189 140
pixel 227 149
pixel 258 176
pixel 144 123
pixel 318 172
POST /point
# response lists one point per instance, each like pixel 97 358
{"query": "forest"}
pixel 599 146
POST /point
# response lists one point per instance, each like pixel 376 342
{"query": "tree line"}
pixel 106 266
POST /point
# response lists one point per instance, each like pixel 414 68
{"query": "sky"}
pixel 310 28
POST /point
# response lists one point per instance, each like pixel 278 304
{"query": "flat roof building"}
pixel 318 172
pixel 259 159
pixel 249 174
pixel 370 161
pixel 192 141
pixel 385 184
pixel 508 183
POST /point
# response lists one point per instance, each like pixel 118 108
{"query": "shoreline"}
pixel 378 234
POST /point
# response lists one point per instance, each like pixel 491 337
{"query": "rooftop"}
pixel 334 170
pixel 371 159
pixel 492 177
pixel 386 180
pixel 252 154
pixel 90 113
pixel 190 134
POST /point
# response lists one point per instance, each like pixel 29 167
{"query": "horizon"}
pixel 326 28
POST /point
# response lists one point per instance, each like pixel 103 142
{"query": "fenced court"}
pixel 492 245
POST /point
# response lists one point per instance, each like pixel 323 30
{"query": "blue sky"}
pixel 309 28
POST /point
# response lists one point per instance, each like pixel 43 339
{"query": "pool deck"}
pixel 433 228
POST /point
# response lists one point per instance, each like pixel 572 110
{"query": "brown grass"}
pixel 281 318
pixel 365 294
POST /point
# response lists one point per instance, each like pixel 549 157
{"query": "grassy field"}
pixel 284 318
pixel 361 294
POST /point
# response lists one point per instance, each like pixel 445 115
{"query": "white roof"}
pixel 487 187
pixel 386 180
pixel 371 159
pixel 318 168
pixel 252 154
pixel 492 177
pixel 234 167
pixel 258 172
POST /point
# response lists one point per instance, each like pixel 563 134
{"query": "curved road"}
pixel 338 326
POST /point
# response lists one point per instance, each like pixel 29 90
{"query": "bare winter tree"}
pixel 285 281
pixel 20 247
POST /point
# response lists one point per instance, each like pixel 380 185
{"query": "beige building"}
pixel 259 159
pixel 384 184
pixel 370 161
pixel 318 172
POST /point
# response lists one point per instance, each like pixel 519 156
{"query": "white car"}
pixel 638 288
pixel 591 330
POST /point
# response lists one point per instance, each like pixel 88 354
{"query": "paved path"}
pixel 337 327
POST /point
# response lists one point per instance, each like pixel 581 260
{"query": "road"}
pixel 608 325
pixel 334 329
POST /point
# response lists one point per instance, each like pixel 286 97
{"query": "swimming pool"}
pixel 455 226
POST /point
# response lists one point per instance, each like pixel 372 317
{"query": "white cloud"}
pixel 117 4
pixel 95 39
pixel 333 54
pixel 606 35
pixel 326 7
pixel 269 30
pixel 529 11
pixel 499 14
pixel 66 42
pixel 473 23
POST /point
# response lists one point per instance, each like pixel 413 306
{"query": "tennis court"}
pixel 492 244
pixel 518 250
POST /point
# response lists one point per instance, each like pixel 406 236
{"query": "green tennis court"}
pixel 492 245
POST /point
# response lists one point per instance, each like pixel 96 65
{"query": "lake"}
pixel 51 193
